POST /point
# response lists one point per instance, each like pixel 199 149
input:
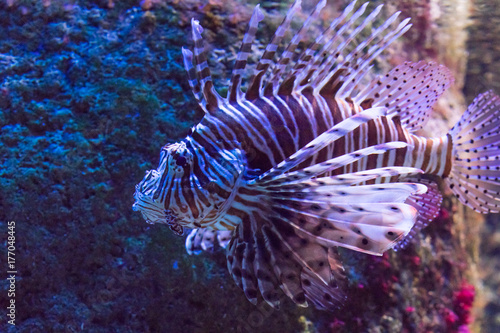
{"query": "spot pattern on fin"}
pixel 428 205
pixel 408 91
pixel 475 173
pixel 286 236
pixel 305 271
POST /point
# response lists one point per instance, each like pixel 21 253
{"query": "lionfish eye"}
pixel 181 161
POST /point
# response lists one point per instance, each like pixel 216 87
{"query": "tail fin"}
pixel 474 177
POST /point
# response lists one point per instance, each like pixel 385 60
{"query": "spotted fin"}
pixel 366 226
pixel 294 218
pixel 475 173
pixel 330 295
pixel 286 240
pixel 428 205
pixel 263 260
pixel 207 240
pixel 408 91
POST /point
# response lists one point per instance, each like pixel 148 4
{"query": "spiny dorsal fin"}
pixel 209 99
pixel 307 64
pixel 331 55
pixel 362 65
pixel 255 85
pixel 287 55
pixel 235 92
pixel 408 91
pixel 334 64
pixel 356 63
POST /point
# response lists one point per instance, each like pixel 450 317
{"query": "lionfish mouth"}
pixel 151 210
pixel 153 195
pixel 172 220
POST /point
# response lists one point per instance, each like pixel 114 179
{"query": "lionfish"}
pixel 308 158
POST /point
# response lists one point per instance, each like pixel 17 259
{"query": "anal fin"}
pixel 428 205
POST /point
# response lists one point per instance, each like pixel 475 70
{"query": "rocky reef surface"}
pixel 91 90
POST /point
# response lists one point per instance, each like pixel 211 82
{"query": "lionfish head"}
pixel 175 195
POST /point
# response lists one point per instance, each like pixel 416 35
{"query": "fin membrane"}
pixel 475 173
pixel 292 220
pixel 408 91
pixel 428 205
pixel 263 257
pixel 287 237
pixel 207 240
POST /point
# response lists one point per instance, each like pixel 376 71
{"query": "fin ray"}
pixel 334 163
pixel 255 86
pixel 475 173
pixel 428 205
pixel 211 99
pixel 408 91
pixel 235 93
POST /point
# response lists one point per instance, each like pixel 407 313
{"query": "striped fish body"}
pixel 272 128
pixel 308 159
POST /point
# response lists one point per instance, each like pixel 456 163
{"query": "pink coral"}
pixel 451 318
pixel 458 318
pixel 464 298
